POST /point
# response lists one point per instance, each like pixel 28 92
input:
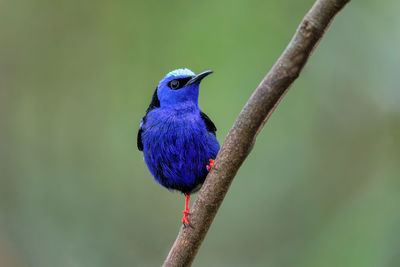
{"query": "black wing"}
pixel 139 137
pixel 209 124
pixel 155 103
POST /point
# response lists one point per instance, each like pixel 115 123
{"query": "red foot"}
pixel 211 165
pixel 185 220
pixel 186 212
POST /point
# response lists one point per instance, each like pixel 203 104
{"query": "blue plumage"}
pixel 176 137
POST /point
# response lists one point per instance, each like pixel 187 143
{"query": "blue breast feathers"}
pixel 177 146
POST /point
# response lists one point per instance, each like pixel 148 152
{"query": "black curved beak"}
pixel 199 77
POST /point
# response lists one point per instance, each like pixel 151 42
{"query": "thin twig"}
pixel 250 121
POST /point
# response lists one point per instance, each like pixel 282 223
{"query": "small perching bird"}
pixel 178 140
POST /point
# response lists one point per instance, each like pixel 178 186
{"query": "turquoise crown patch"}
pixel 180 72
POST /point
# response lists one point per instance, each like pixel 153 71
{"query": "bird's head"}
pixel 180 85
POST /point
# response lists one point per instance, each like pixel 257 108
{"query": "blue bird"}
pixel 178 140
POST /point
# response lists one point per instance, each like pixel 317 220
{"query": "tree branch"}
pixel 250 121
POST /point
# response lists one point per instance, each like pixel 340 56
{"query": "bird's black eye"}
pixel 174 84
pixel 179 83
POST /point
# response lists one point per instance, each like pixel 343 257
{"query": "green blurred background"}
pixel 321 187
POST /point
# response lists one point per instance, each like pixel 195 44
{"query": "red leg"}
pixel 211 165
pixel 186 212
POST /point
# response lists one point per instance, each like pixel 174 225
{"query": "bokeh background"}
pixel 321 187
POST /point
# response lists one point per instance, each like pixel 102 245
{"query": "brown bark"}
pixel 250 121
